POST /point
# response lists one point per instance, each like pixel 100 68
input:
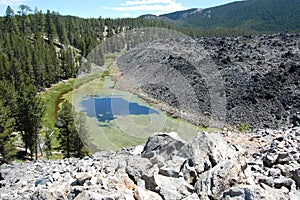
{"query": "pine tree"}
pixel 24 10
pixel 9 12
pixel 48 144
pixel 50 27
pixel 70 142
pixel 7 140
pixel 29 117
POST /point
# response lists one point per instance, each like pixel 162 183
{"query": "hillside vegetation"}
pixel 251 15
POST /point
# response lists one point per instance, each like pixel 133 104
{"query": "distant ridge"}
pixel 180 15
pixel 253 15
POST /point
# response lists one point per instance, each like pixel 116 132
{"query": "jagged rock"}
pixel 172 168
pixel 46 194
pixel 1 178
pixel 136 167
pixel 82 177
pixel 295 175
pixel 173 188
pixel 150 178
pixel 163 144
pixel 192 197
pixel 142 194
pixel 93 195
pixel 75 191
pixel 44 180
pixel 274 172
pixel 189 172
pixel 283 158
pixel 221 177
pixel 269 160
pixel 251 193
pixel 206 150
pixel 284 182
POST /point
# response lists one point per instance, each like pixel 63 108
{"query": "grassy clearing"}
pixel 64 91
pixel 53 98
pixel 50 98
pixel 56 94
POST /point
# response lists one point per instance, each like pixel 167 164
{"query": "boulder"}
pixel 44 180
pixel 213 183
pixel 82 177
pixel 47 195
pixel 103 195
pixel 206 150
pixel 251 193
pixel 295 175
pixel 284 182
pixel 142 194
pixel 136 167
pixel 171 168
pixel 163 144
pixel 173 188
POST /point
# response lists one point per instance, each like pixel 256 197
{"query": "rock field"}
pixel 262 164
pixel 217 81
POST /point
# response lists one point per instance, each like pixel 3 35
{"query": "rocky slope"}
pixel 217 81
pixel 264 165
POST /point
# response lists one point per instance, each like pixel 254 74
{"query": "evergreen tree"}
pixel 10 20
pixel 29 117
pixel 24 10
pixel 50 27
pixel 9 12
pixel 48 144
pixel 70 142
pixel 7 140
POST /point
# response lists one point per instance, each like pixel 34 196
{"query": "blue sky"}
pixel 111 8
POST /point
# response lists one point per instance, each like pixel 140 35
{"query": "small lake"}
pixel 117 119
pixel 109 108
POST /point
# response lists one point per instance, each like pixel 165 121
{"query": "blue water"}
pixel 109 108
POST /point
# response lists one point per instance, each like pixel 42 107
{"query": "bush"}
pixel 244 127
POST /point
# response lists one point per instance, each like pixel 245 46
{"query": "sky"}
pixel 110 8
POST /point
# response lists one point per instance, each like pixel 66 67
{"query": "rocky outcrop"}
pixel 251 79
pixel 206 167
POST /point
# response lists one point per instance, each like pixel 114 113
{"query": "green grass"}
pixel 56 94
pixel 50 98
pixel 53 98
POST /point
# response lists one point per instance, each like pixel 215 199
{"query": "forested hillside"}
pixel 36 50
pixel 252 15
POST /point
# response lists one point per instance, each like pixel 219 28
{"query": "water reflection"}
pixel 108 108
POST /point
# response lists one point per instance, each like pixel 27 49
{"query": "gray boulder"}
pixel 220 178
pixel 252 192
pixel 206 150
pixel 163 144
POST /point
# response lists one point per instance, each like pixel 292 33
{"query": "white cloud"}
pixel 157 6
pixel 145 2
pixel 126 15
pixel 11 2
